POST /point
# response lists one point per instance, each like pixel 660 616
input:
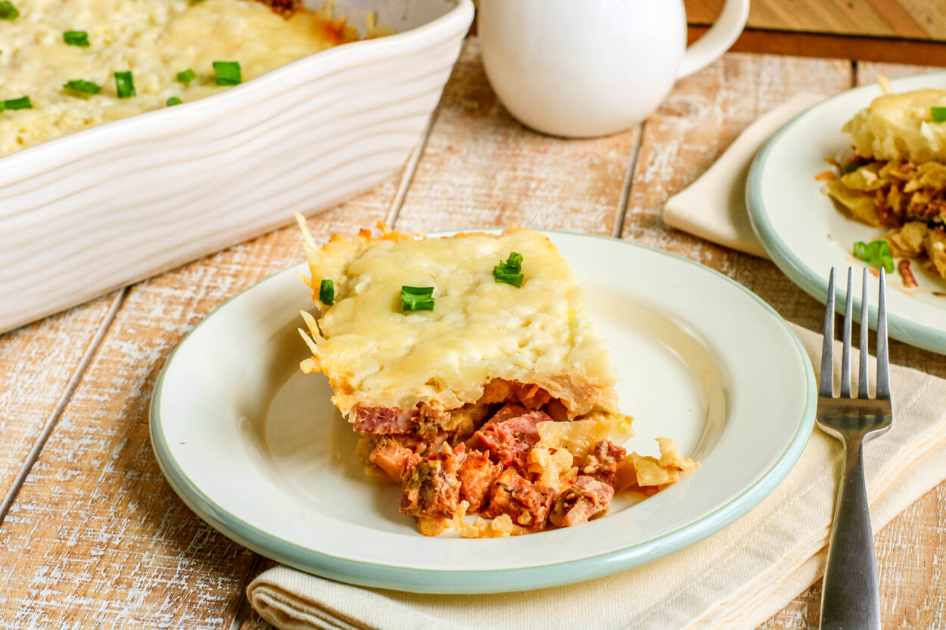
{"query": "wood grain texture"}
pixel 920 19
pixel 482 168
pixel 36 364
pixel 868 71
pixel 96 537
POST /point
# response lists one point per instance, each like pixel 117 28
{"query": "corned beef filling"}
pixel 479 454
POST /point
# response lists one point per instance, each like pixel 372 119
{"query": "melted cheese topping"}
pixel 376 355
pixel 900 127
pixel 154 39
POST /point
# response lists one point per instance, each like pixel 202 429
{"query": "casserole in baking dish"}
pixel 72 65
pixel 94 210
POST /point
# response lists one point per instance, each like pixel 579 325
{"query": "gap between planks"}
pixel 57 411
pixel 412 161
pixel 625 197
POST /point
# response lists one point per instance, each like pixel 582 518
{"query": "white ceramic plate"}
pixel 804 233
pixel 256 449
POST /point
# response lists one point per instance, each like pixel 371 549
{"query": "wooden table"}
pixel 96 537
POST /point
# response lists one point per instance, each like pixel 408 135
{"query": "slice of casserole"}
pixel 473 369
pixel 895 177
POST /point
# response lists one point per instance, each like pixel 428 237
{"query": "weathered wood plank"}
pixel 868 71
pixel 916 19
pixel 701 117
pixel 96 536
pixel 481 168
pixel 36 364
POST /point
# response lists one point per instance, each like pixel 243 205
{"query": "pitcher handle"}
pixel 718 39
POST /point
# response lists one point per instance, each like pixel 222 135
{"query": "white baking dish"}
pixel 92 211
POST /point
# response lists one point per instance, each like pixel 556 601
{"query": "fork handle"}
pixel 850 597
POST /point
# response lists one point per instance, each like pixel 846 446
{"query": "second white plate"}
pixel 257 450
pixel 804 233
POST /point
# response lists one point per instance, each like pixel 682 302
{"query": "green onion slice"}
pixel 171 102
pixel 417 298
pixel 938 114
pixel 18 103
pixel 8 11
pixel 876 254
pixel 510 271
pixel 228 72
pixel 327 292
pixel 186 76
pixel 124 84
pixel 76 38
pixel 86 87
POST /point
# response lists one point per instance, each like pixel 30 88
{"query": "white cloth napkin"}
pixel 714 206
pixel 733 580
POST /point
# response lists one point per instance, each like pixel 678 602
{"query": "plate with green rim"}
pixel 255 448
pixel 805 235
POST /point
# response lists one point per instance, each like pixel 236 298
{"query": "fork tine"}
pixel 846 336
pixel 863 379
pixel 826 387
pixel 883 376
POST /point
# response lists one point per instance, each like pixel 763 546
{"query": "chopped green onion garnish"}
pixel 8 11
pixel 186 76
pixel 938 114
pixel 417 298
pixel 510 272
pixel 76 38
pixel 327 292
pixel 124 84
pixel 228 72
pixel 171 102
pixel 18 103
pixel 853 166
pixel 876 254
pixel 86 87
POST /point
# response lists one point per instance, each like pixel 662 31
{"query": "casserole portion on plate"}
pixel 473 370
pixel 895 177
pixel 67 66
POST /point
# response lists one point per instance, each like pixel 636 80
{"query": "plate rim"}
pixel 802 275
pixel 465 581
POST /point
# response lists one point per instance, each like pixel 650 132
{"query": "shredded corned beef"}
pixel 431 488
pixel 384 420
pixel 584 499
pixel 476 474
pixel 528 504
pixel 603 462
pixel 508 441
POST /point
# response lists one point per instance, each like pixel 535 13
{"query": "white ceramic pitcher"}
pixel 593 67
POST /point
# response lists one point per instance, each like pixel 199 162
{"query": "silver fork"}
pixel 850 597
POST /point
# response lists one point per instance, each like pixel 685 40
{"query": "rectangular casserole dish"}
pixel 89 212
